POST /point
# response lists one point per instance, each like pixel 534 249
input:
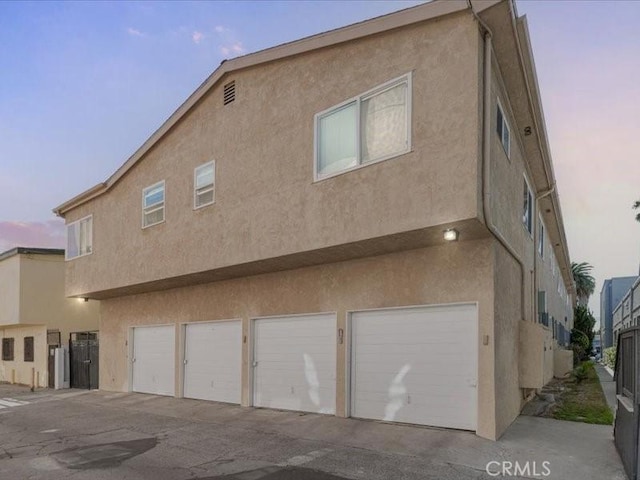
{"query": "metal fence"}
pixel 627 421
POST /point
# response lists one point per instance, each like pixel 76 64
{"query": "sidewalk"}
pixel 608 386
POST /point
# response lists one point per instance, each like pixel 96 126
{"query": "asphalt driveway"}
pixel 101 435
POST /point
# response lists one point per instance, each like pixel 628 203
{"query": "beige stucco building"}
pixel 35 314
pixel 281 241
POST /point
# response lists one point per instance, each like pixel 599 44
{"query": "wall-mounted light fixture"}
pixel 82 299
pixel 451 235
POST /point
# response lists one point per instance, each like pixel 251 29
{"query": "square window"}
pixel 203 185
pixel 369 128
pixel 79 238
pixel 153 205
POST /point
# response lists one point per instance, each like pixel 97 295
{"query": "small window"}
pixel 153 205
pixel 7 349
pixel 504 133
pixel 79 238
pixel 369 128
pixel 203 185
pixel 28 349
pixel 541 238
pixel 527 207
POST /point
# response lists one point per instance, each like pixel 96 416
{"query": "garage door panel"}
pixel 213 354
pixel 416 365
pixel 154 360
pixel 295 363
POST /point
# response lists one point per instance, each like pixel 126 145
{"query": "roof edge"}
pixel 30 251
pixel 391 21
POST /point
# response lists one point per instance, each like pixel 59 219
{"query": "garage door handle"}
pixel 255 364
pixel 133 360
pixel 186 361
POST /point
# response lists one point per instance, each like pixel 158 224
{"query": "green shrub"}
pixel 581 372
pixel 579 354
pixel 609 357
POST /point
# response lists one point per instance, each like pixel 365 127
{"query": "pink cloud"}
pixel 49 234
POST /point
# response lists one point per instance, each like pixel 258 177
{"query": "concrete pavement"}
pixel 608 386
pixel 100 435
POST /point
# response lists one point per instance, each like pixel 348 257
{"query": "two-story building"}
pixel 35 314
pixel 363 223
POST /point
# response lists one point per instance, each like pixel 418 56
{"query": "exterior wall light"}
pixel 451 235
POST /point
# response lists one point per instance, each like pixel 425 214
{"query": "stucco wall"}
pixel 459 272
pixel 507 333
pixel 267 204
pixel 507 185
pixel 562 362
pixel 43 301
pixel 19 371
pixel 9 290
pixel 507 177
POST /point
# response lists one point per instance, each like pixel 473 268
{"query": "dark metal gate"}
pixel 53 342
pixel 627 377
pixel 83 359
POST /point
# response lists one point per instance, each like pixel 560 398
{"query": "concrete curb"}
pixel 609 371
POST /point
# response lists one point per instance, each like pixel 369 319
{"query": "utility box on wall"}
pixel 61 368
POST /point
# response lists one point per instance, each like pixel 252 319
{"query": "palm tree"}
pixel 636 206
pixel 585 283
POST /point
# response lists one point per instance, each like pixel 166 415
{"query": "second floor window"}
pixel 527 208
pixel 371 127
pixel 203 185
pixel 79 238
pixel 541 238
pixel 153 205
pixel 503 131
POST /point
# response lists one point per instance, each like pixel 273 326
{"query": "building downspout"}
pixel 486 166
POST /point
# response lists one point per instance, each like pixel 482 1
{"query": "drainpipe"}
pixel 486 165
pixel 536 235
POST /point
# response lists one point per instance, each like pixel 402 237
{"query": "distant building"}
pixel 626 313
pixel 613 290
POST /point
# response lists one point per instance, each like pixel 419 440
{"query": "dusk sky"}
pixel 83 85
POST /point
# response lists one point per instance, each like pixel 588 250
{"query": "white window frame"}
pixel 406 78
pixel 151 207
pixel 505 125
pixel 213 185
pixel 78 222
pixel 531 208
pixel 541 236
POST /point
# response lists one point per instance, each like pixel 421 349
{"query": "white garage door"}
pixel 416 365
pixel 295 363
pixel 154 360
pixel 213 361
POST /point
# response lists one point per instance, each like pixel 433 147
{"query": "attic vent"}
pixel 229 94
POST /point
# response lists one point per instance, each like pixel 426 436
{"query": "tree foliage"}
pixel 582 333
pixel 636 206
pixel 585 283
